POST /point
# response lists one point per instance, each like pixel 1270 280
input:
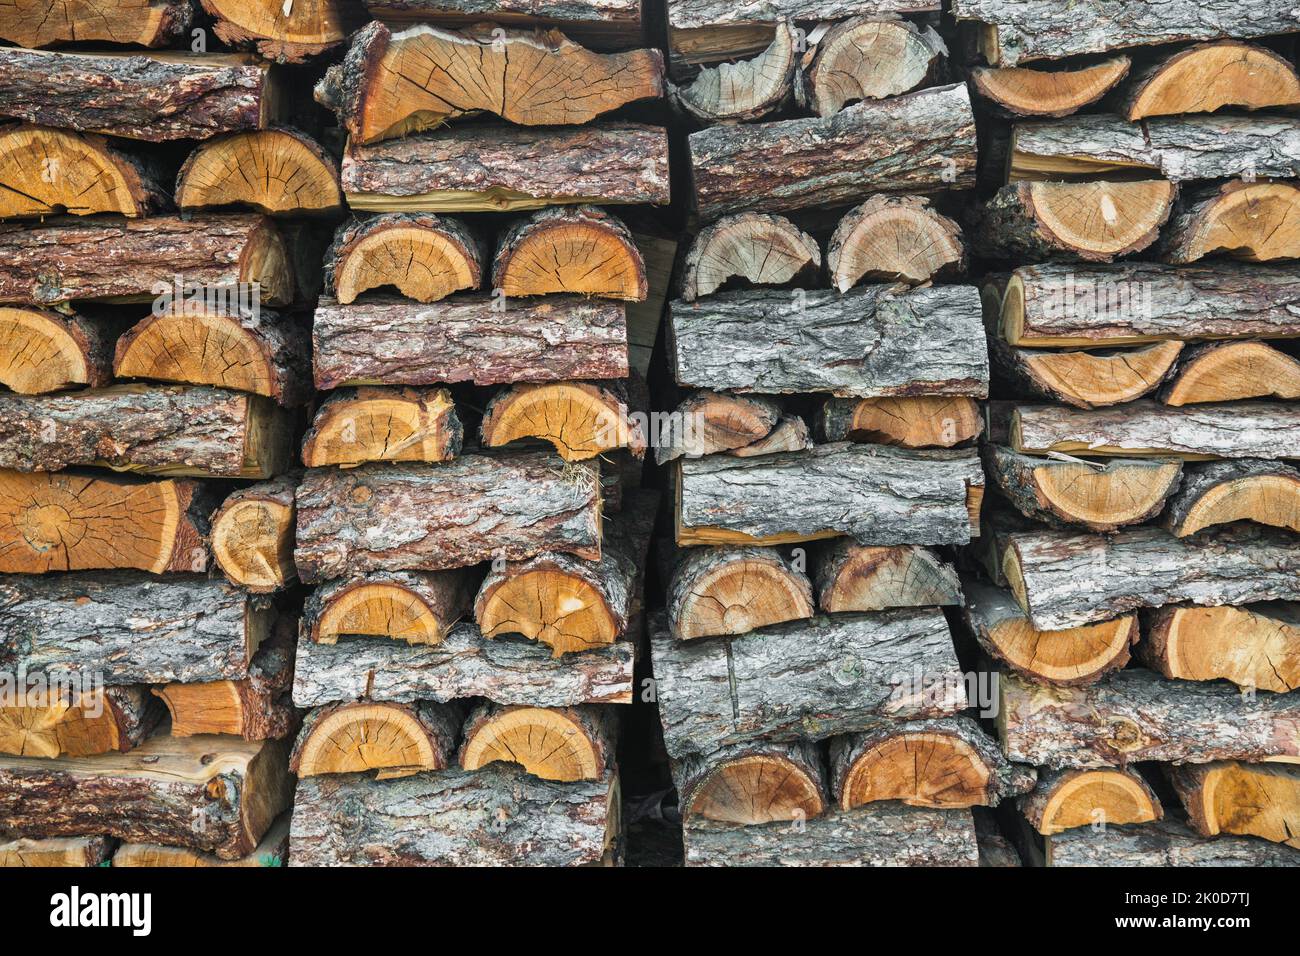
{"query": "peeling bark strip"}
pixel 1065 580
pixel 128 628
pixel 875 494
pixel 155 23
pixel 153 97
pixel 457 513
pixel 507 168
pixel 1163 843
pixel 214 794
pixel 869 342
pixel 389 340
pixel 1015 30
pixel 1137 715
pixel 498 816
pixel 921 142
pixel 814 679
pixel 882 834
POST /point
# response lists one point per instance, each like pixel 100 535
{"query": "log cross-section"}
pixel 562 743
pixel 751 784
pixel 375 423
pixel 274 171
pixel 717 591
pixel 418 607
pixel 392 739
pixel 424 257
pixel 868 58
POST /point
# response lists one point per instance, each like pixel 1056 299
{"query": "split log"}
pixel 753 784
pixel 1023 91
pixel 757 247
pixel 418 607
pixel 920 142
pixel 914 421
pixel 581 420
pixel 290 33
pixel 75 723
pixel 376 423
pixel 422 256
pixel 213 794
pixel 155 97
pixel 1254 221
pixel 1220 492
pixel 1080 306
pixel 851 577
pixel 1065 658
pixel 1065 580
pixel 463 664
pixel 1095 221
pixel 467 338
pixel 790 434
pixel 62 851
pixel 46 172
pixel 868 58
pixel 167 430
pixel 945 764
pixel 509 169
pixel 127 628
pixel 612 24
pixel 1176 148
pixel 861 343
pixel 44 351
pixel 252 535
pixel 1099 497
pixel 883 834
pixel 1254 646
pixel 393 84
pixel 1085 379
pixel 894 239
pixel 708 422
pixel 492 817
pixel 815 679
pixel 414 517
pixel 277 172
pixel 1161 844
pixel 272 851
pixel 395 739
pixel 581 250
pixel 138 260
pixel 150 23
pixel 1261 800
pixel 563 744
pixel 1136 715
pixel 1209 76
pixel 1038 29
pixel 70 522
pixel 734 591
pixel 1231 372
pixel 747 89
pixel 1066 799
pixel 262 353
pixel 873 493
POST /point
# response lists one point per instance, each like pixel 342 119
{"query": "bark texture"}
pixel 1165 843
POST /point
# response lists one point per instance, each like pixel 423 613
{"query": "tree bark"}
pixel 425 257
pixel 1254 646
pixel 1164 843
pixel 1065 799
pixel 1261 800
pixel 252 535
pixel 851 577
pixel 67 350
pixel 277 172
pixel 418 607
pixel 602 24
pixel 579 250
pixel 150 23
pixel 562 744
pixel 752 784
pixel 46 720
pixel 394 739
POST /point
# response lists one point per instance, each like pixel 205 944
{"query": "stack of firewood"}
pixel 1143 505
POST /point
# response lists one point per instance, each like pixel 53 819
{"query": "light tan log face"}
pixel 1209 76
pixel 548 743
pixel 45 172
pixel 274 171
pixel 920 770
pixel 1078 798
pixel 894 238
pixel 581 420
pixel 1027 91
pixel 1233 371
pixel 356 738
pixel 756 789
pixel 42 351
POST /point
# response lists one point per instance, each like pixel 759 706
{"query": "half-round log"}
pixel 1254 646
pixel 1228 796
pixel 894 238
pixel 854 577
pixel 252 536
pixel 744 90
pixel 1088 379
pixel 278 172
pixel 395 739
pixel 922 421
pixel 1231 372
pixel 761 248
pixel 578 249
pixel 284 32
pixel 1209 76
pixel 1256 222
pixel 43 351
pixel 76 724
pixel 1065 799
pixel 562 743
pixel 418 607
pixel 868 58
pixel 581 420
pixel 733 591
pixel 1023 91
pixel 708 422
pixel 1247 489
pixel 376 423
pixel 751 784
pixel 423 256
pixel 149 23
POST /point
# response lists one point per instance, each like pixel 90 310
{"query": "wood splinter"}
pixel 554 743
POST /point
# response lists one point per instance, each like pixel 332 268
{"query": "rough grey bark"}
pixel 1138 715
pixel 497 816
pixel 448 515
pixel 920 142
pixel 880 834
pixel 1163 843
pixel 1075 579
pixel 446 595
pixel 852 577
pixel 814 678
pixel 869 342
pixel 1201 478
pixel 1033 806
pixel 873 493
pixel 465 664
pixel 701 14
pixel 390 340
pixel 597 725
pixel 129 628
pixel 439 723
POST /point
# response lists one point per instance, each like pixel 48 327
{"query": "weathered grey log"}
pixel 143 96
pixel 1163 843
pixel 1016 30
pixel 1138 715
pixel 390 340
pixel 852 577
pixel 129 628
pixel 814 678
pixel 920 142
pixel 869 342
pixel 509 168
pixel 1218 492
pixel 1065 580
pixel 879 834
pixel 873 493
pixel 464 664
pixel 448 515
pixel 497 816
